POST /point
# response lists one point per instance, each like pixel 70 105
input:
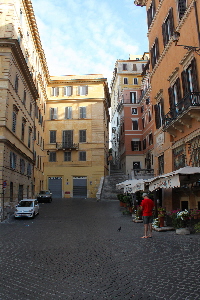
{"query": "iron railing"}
pixel 67 146
pixel 192 99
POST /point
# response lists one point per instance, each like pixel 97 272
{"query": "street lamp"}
pixel 176 37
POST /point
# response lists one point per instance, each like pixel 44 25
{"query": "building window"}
pixel 29 136
pixel 159 113
pixel 155 53
pixel 14 121
pixel 55 91
pixel 29 170
pixel 150 139
pixel 136 165
pixel 134 67
pixel 52 136
pixel 125 80
pixel 68 112
pixel 22 166
pixel 144 142
pixel 133 97
pixel 23 129
pixel 134 111
pixel 135 80
pixel 149 115
pixel 24 98
pixel 67 138
pixel 52 156
pixel 161 164
pixel 82 112
pixel 13 160
pixel 151 13
pixel 82 136
pixel 83 90
pixel 82 156
pixel 124 67
pixel 143 123
pixel 68 90
pixel 67 156
pixel 181 6
pixel 134 124
pixel 168 27
pixel 53 113
pixel 190 79
pixel 16 84
pixel 136 145
pixel 174 97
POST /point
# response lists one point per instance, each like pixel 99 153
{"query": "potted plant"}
pixel 195 213
pixel 180 221
pixel 120 198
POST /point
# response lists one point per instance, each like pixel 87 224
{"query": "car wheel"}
pixel 50 200
pixel 33 215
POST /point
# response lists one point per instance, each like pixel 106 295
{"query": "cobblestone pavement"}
pixel 73 250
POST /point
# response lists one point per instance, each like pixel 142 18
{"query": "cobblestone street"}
pixel 73 250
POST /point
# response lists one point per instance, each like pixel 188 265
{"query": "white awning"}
pixel 131 186
pixel 175 178
pixel 121 185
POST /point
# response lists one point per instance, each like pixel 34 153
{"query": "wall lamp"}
pixel 176 37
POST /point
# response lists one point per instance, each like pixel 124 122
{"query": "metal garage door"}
pixel 55 186
pixel 80 187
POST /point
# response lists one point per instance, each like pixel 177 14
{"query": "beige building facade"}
pixel 76 135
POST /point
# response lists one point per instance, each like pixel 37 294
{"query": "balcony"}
pixel 67 146
pixel 182 114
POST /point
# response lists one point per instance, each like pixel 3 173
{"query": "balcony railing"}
pixel 67 146
pixel 191 100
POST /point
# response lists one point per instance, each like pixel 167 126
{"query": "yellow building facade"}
pixel 23 79
pixel 76 135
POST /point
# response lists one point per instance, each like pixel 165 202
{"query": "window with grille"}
pixel 82 156
pixel 68 112
pixel 67 156
pixel 82 112
pixel 52 156
pixel 52 136
pixel 82 136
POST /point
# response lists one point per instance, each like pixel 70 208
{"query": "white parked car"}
pixel 27 208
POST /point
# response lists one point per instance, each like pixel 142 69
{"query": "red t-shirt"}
pixel 147 207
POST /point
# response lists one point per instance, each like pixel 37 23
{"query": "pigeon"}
pixel 119 228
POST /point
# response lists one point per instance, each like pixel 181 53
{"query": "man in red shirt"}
pixel 147 212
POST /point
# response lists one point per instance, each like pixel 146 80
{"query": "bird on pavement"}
pixel 119 228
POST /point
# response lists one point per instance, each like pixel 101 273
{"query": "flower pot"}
pixel 121 204
pixel 161 221
pixel 182 231
pixel 130 209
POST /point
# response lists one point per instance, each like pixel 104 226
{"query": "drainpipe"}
pixel 197 21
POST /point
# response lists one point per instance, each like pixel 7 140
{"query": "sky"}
pixel 88 36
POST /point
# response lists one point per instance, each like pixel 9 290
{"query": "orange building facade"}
pixel 175 81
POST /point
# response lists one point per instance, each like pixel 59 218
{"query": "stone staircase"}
pixel 109 191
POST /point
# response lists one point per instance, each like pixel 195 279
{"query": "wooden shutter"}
pixel 164 33
pixel 194 75
pixel 134 67
pixel 171 17
pixel 178 89
pixel 171 98
pixel 181 8
pixel 157 49
pixel 184 83
pixel 156 109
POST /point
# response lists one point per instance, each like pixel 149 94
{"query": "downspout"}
pixel 197 21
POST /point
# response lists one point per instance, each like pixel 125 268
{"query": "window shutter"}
pixel 157 116
pixel 157 49
pixel 171 98
pixel 181 8
pixel 134 67
pixel 164 33
pixel 86 90
pixel 184 83
pixel 171 21
pixel 162 110
pixel 178 89
pixel 194 75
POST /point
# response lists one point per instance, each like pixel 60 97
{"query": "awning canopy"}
pixel 175 179
pixel 131 186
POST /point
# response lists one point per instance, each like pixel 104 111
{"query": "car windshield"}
pixel 25 204
pixel 44 192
